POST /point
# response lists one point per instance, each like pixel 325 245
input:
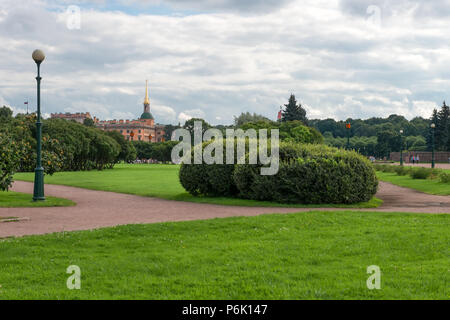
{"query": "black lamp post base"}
pixel 38 194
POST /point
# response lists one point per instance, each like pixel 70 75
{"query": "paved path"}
pixel 96 209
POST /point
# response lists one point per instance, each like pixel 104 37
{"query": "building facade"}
pixel 142 129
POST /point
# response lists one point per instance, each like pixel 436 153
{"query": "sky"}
pixel 214 59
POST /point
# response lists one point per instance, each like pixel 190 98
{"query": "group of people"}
pixel 415 159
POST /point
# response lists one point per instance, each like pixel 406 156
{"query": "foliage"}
pixel 66 145
pixel 293 131
pixel 88 122
pixel 159 151
pixel 168 130
pixel 5 113
pixel 444 177
pixel 420 173
pixel 189 125
pixel 159 181
pixel 312 175
pixel 127 151
pixel 9 159
pixel 209 179
pixel 307 174
pixel 294 111
pixel 245 117
pixel 402 170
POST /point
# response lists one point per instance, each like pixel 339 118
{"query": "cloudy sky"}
pixel 216 58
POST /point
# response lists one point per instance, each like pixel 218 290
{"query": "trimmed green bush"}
pixel 208 179
pixel 319 176
pixel 421 173
pixel 444 177
pixel 401 170
pixel 307 174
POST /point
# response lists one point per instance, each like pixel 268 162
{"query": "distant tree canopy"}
pixel 189 125
pixel 88 122
pixel 5 113
pixel 294 111
pixel 442 131
pixel 159 151
pixel 380 136
pixel 66 146
pixel 245 117
pixel 294 131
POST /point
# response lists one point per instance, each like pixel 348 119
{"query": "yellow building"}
pixel 142 129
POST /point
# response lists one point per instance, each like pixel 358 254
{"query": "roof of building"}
pixel 146 115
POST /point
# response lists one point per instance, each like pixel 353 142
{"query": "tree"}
pixel 294 111
pixel 434 119
pixel 388 141
pixel 443 129
pixel 248 117
pixel 168 130
pixel 5 113
pixel 88 122
pixel 189 125
pixel 127 150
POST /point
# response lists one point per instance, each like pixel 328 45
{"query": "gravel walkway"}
pixel 96 209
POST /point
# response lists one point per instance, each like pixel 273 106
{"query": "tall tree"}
pixel 6 113
pixel 189 125
pixel 434 119
pixel 443 128
pixel 293 111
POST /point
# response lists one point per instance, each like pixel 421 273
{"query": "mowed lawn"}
pixel 155 180
pixel 314 255
pixel 431 186
pixel 12 199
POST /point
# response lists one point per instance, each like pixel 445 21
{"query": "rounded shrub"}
pixel 318 175
pixel 421 173
pixel 401 170
pixel 208 179
pixel 307 174
pixel 444 177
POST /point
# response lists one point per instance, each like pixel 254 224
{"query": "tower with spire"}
pixel 146 115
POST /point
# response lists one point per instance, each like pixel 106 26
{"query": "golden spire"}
pixel 147 100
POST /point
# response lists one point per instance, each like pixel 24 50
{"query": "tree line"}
pixel 66 146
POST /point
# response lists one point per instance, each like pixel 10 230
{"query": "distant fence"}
pixel 424 156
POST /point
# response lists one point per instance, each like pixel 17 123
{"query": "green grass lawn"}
pixel 160 181
pixel 314 255
pixel 12 199
pixel 425 185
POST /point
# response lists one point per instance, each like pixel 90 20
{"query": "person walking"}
pixel 417 159
pixel 412 159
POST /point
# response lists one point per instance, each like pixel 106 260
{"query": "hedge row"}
pixel 415 172
pixel 307 174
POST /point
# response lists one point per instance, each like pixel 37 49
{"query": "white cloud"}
pixel 189 114
pixel 225 61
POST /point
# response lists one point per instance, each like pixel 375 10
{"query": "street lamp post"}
pixel 38 195
pixel 433 127
pixel 401 147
